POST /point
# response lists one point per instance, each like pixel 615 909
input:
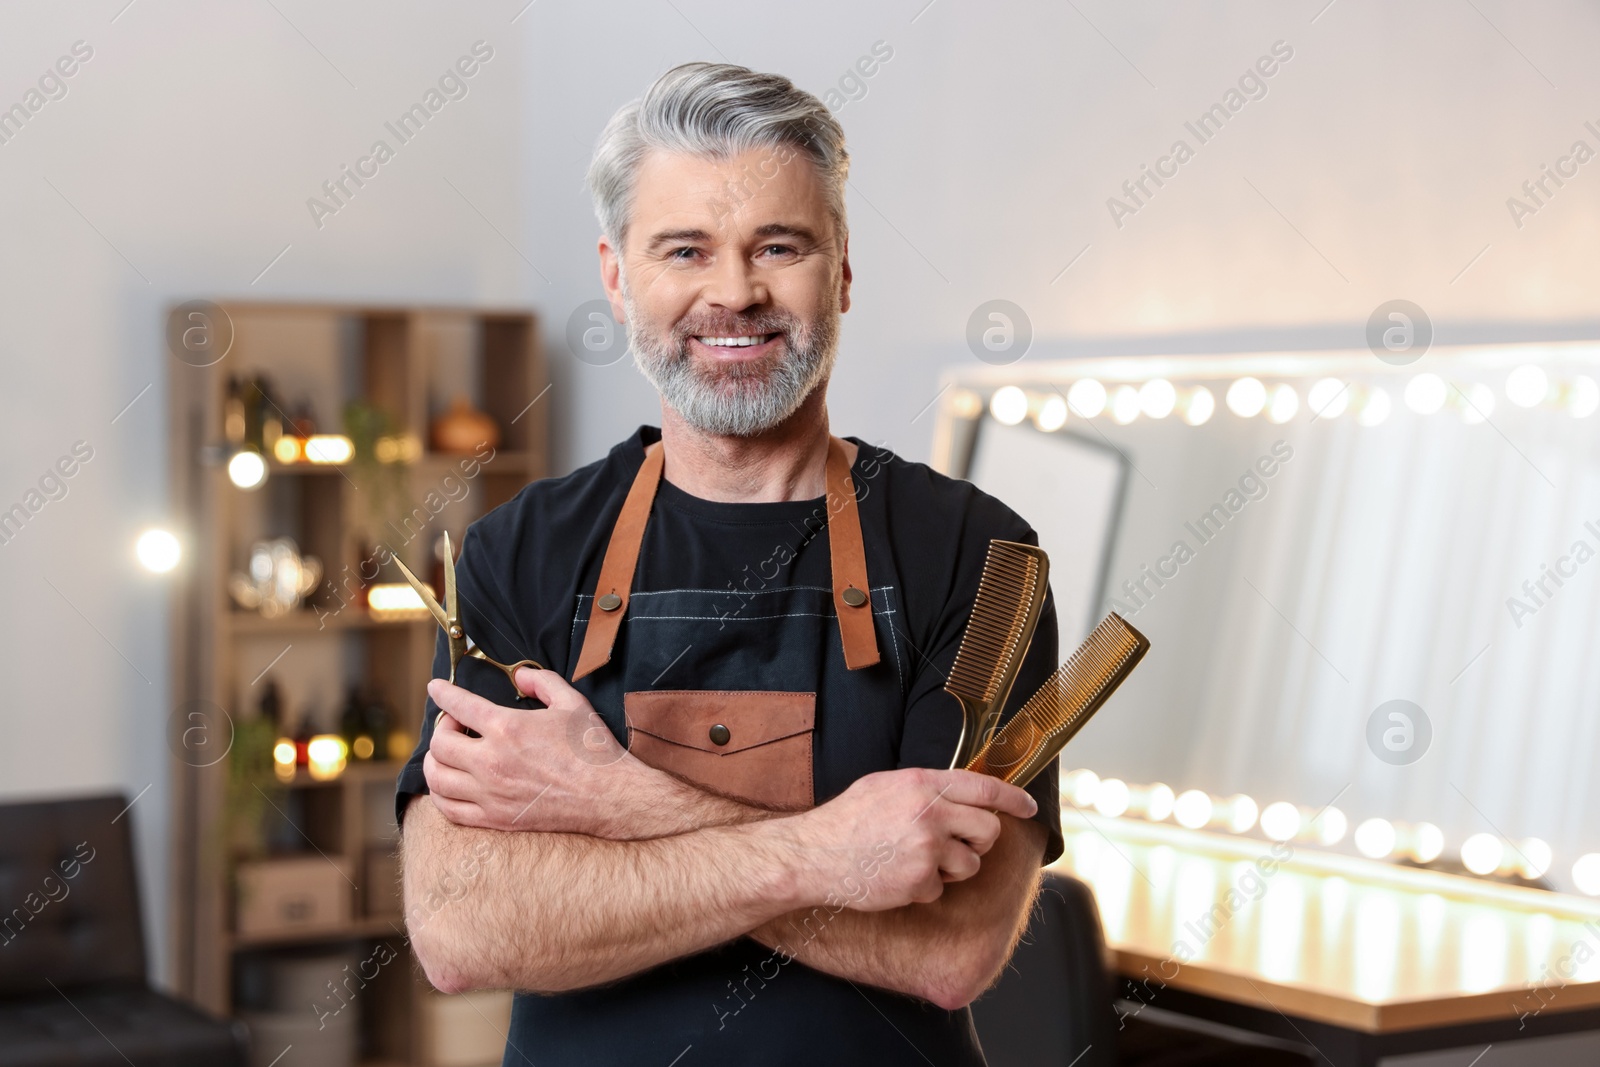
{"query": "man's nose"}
pixel 735 283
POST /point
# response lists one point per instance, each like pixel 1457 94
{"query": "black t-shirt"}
pixel 526 580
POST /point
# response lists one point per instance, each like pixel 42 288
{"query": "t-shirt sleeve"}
pixel 933 716
pixel 482 578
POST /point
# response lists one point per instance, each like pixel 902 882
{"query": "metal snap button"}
pixel 854 597
pixel 720 734
pixel 609 602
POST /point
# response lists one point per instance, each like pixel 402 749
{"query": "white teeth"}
pixel 733 342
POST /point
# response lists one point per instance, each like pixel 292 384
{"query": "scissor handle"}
pixel 509 669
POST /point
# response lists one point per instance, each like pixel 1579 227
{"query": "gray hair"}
pixel 714 111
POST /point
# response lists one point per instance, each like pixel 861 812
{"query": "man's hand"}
pixel 555 768
pixel 896 837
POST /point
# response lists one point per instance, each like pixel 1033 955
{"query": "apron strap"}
pixel 616 572
pixel 847 558
pixel 848 561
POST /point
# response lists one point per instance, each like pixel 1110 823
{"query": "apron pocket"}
pixel 750 745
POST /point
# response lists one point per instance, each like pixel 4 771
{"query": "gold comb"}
pixel 1041 728
pixel 1004 615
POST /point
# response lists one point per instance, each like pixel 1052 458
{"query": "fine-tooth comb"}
pixel 1004 615
pixel 1041 728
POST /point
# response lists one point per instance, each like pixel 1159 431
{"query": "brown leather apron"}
pixel 753 745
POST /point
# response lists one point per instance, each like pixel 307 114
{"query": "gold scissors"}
pixel 449 618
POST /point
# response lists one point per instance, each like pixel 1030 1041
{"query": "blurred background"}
pixel 163 159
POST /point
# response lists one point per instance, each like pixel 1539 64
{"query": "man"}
pixel 779 867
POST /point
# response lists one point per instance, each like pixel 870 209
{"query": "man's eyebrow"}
pixel 674 236
pixel 785 229
pixel 693 236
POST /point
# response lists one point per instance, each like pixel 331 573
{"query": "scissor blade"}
pixel 451 607
pixel 426 594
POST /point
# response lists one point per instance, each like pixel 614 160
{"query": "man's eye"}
pixel 683 253
pixel 779 249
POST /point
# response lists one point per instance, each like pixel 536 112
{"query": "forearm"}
pixel 661 805
pixel 527 915
pixel 948 951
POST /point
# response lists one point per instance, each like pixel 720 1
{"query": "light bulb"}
pixel 1124 404
pixel 325 756
pixel 1200 406
pixel 1328 398
pixel 330 448
pixel 1086 398
pixel 964 404
pixel 1482 853
pixel 247 469
pixel 1052 414
pixel 1375 838
pixel 1242 813
pixel 1280 821
pixel 1583 397
pixel 1081 787
pixel 1428 842
pixel 1283 404
pixel 1157 398
pixel 1192 808
pixel 1246 398
pixel 1533 858
pixel 1479 404
pixel 1425 394
pixel 1586 874
pixel 158 551
pixel 1331 826
pixel 1376 408
pixel 1527 386
pixel 1111 799
pixel 1009 405
pixel 1159 808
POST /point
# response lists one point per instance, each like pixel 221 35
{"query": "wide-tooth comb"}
pixel 1004 615
pixel 1041 728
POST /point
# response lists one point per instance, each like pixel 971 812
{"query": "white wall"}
pixel 984 152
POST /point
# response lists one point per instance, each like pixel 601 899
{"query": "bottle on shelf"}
pixel 354 728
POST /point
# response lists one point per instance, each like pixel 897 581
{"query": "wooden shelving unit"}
pixel 411 363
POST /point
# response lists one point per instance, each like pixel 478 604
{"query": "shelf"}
pixel 358 772
pixel 309 620
pixel 354 930
pixel 502 461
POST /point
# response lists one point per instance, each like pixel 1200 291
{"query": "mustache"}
pixel 738 327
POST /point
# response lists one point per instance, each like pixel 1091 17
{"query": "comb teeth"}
pixel 997 625
pixel 1077 689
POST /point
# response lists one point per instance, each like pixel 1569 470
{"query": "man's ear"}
pixel 610 278
pixel 844 279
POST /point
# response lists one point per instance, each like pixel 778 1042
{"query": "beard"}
pixel 736 399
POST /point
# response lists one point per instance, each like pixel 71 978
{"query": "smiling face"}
pixel 732 282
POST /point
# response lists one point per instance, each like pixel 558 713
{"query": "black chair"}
pixel 72 963
pixel 1055 1004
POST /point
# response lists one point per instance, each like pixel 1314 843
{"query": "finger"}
pixel 455 751
pixel 449 782
pixel 526 681
pixel 957 862
pixel 978 828
pixel 982 791
pixel 466 707
pixel 460 812
pixel 545 686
